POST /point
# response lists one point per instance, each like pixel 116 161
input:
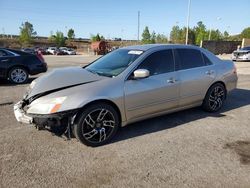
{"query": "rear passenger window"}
pixel 159 62
pixel 206 60
pixel 190 58
pixel 3 53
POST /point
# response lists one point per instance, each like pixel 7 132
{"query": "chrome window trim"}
pixel 10 52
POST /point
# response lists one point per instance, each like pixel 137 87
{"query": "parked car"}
pixel 68 51
pixel 242 54
pixel 29 50
pixel 60 52
pixel 63 48
pixel 52 50
pixel 127 85
pixel 16 66
pixel 43 51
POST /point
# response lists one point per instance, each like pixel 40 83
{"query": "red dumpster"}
pixel 100 47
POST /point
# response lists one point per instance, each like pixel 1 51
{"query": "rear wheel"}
pixel 215 98
pixel 18 75
pixel 97 125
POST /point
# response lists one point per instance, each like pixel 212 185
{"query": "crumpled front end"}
pixel 63 119
pixel 20 114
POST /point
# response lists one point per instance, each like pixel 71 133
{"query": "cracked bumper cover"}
pixel 23 117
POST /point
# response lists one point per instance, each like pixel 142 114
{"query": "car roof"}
pixel 160 46
pixel 19 52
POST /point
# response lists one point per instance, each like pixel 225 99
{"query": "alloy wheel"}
pixel 98 125
pixel 216 98
pixel 18 75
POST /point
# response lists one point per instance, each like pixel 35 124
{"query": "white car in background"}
pixel 68 51
pixel 242 54
pixel 52 50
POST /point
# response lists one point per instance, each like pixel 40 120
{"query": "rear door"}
pixel 196 75
pixel 158 92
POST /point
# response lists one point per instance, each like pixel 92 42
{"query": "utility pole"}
pixel 188 18
pixel 138 34
pixel 210 31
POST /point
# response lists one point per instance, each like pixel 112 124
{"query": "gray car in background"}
pixel 242 54
pixel 127 85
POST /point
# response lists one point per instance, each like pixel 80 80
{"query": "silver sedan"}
pixel 127 85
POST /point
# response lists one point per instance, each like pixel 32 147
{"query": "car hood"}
pixel 61 78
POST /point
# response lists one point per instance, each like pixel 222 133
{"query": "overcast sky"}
pixel 113 18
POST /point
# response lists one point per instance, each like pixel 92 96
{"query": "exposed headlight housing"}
pixel 49 106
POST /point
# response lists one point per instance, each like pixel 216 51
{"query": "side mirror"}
pixel 141 73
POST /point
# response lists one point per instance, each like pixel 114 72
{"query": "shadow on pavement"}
pixel 236 99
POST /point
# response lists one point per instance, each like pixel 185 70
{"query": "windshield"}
pixel 114 63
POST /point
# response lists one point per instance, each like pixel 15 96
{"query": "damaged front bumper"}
pixel 43 120
pixel 21 115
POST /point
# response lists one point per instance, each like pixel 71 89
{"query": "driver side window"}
pixel 159 62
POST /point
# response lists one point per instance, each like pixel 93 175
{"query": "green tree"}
pixel 26 34
pixel 177 34
pixel 96 37
pixel 146 37
pixel 225 34
pixel 191 35
pixel 200 33
pixel 51 37
pixel 71 34
pixel 58 39
pixel 246 33
pixel 160 38
pixel 234 38
pixel 153 38
pixel 216 35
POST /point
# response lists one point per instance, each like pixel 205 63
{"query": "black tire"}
pixel 99 131
pixel 18 75
pixel 215 98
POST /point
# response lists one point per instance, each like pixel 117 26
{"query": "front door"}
pixel 159 92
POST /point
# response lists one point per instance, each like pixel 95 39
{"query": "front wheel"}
pixel 97 125
pixel 18 75
pixel 215 98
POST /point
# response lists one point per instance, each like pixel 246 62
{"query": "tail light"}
pixel 40 56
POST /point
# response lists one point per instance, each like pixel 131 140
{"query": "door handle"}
pixel 210 72
pixel 171 80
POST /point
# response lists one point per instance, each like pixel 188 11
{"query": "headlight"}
pixel 49 106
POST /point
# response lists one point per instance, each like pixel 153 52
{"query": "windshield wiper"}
pixel 92 71
pixel 100 73
pixel 104 74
